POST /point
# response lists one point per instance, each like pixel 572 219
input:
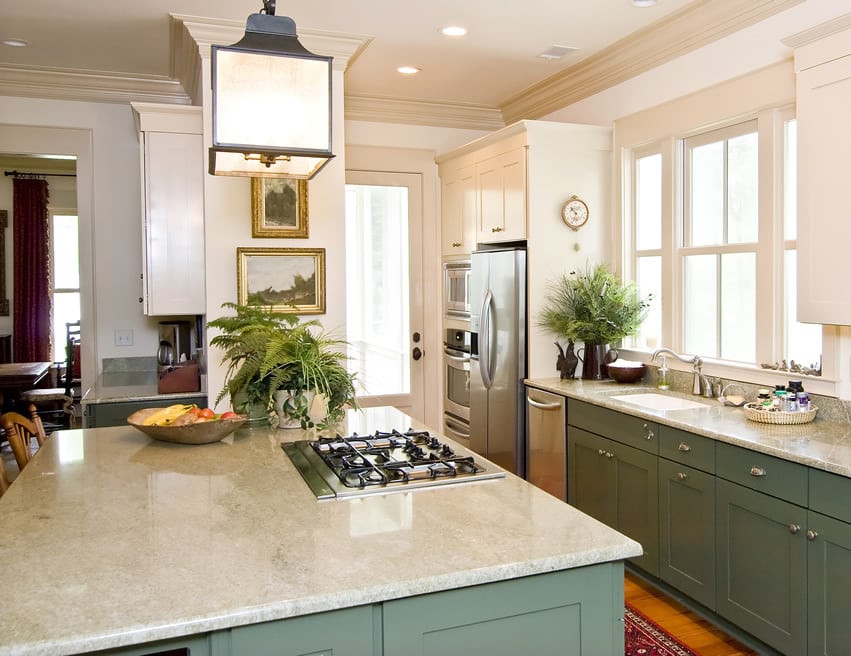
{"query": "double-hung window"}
pixel 709 230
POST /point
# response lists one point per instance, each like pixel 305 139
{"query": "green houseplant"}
pixel 267 351
pixel 594 307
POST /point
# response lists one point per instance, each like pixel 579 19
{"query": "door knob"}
pixel 416 353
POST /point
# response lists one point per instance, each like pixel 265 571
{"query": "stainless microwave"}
pixel 456 288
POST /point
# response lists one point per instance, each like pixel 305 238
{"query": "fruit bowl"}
pixel 202 432
pixel 626 372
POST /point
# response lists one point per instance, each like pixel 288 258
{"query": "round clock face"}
pixel 574 213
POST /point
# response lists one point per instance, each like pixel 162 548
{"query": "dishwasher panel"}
pixel 546 431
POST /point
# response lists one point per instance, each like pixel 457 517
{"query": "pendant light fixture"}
pixel 271 103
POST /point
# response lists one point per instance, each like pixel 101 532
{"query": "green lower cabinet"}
pixel 687 530
pixel 761 561
pixel 575 612
pixel 115 413
pixel 618 485
pixel 189 646
pixel 829 585
pixel 348 632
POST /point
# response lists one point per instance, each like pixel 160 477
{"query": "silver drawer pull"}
pixel 648 433
pixel 685 448
pixel 682 476
pixel 601 452
pixel 811 535
pixel 794 528
pixel 610 455
pixel 757 471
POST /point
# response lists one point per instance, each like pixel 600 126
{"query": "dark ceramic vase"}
pixel 595 358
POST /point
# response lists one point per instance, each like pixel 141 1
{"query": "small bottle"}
pixel 663 381
pixel 778 402
pixel 791 400
pixel 803 402
pixel 763 399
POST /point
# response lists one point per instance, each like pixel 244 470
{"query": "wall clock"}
pixel 574 212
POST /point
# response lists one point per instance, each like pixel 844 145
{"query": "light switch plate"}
pixel 124 337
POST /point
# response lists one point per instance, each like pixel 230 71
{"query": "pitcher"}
pixel 594 359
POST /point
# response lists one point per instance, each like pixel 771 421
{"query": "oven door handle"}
pixel 450 355
pixel 453 427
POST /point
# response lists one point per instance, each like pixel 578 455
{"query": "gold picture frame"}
pixel 279 208
pixel 288 279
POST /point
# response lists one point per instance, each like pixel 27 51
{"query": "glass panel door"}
pixel 384 288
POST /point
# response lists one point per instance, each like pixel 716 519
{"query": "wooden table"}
pixel 17 377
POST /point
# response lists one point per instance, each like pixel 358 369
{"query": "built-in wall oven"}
pixel 456 385
pixel 456 288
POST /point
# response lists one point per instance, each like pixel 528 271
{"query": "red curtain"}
pixel 31 290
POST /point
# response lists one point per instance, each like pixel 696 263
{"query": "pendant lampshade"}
pixel 271 103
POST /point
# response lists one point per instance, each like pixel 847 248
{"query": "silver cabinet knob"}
pixel 794 528
pixel 601 452
pixel 757 471
pixel 682 476
pixel 811 535
pixel 648 432
pixel 685 448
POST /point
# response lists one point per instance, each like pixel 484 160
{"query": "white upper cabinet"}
pixel 823 66
pixel 458 215
pixel 501 183
pixel 172 153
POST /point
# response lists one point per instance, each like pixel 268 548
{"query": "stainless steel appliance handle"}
pixel 450 354
pixel 485 342
pixel 452 429
pixel 543 406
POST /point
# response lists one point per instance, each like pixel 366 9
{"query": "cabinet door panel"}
pixel 761 566
pixel 687 530
pixel 591 480
pixel 569 612
pixel 638 503
pixel 829 586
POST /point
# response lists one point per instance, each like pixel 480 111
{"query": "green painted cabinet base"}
pixel 574 612
pixel 829 585
pixel 99 415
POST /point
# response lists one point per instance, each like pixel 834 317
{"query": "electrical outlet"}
pixel 124 337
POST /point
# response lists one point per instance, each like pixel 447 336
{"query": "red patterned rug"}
pixel 645 638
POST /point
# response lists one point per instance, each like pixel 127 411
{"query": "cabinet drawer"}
pixel 687 448
pixel 829 494
pixel 774 476
pixel 633 431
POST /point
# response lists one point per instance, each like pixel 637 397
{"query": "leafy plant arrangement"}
pixel 268 351
pixel 593 306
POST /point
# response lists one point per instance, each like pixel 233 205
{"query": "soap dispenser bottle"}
pixel 663 377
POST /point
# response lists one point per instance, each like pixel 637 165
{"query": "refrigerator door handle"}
pixel 485 342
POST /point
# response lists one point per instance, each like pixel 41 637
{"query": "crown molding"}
pixel 422 112
pixel 818 32
pixel 58 84
pixel 698 24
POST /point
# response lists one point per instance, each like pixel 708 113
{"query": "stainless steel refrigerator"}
pixel 498 364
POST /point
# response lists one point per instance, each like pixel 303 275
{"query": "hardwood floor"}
pixel 688 627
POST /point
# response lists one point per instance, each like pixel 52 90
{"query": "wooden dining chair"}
pixel 57 403
pixel 20 431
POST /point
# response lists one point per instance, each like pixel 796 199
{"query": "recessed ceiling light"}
pixel 408 70
pixel 453 30
pixel 15 43
pixel 643 3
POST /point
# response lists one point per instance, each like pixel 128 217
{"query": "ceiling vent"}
pixel 557 52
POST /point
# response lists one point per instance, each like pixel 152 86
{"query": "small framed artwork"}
pixel 279 207
pixel 289 279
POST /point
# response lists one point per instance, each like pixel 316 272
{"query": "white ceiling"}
pixel 492 67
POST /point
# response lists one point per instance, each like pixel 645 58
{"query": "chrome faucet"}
pixel 701 384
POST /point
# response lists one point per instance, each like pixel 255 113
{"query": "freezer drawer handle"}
pixel 543 406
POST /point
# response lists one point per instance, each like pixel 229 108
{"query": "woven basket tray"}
pixel 755 413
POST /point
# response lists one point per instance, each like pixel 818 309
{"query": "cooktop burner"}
pixel 384 461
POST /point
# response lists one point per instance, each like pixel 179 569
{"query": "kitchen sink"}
pixel 656 401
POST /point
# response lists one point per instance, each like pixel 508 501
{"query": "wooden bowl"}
pixel 626 373
pixel 202 432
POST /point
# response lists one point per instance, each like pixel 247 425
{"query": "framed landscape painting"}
pixel 279 207
pixel 289 279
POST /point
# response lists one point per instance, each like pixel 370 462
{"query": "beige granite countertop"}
pixel 111 538
pixel 821 444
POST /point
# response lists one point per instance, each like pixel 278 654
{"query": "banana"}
pixel 165 416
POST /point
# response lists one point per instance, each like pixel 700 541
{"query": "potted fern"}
pixel 594 307
pixel 269 352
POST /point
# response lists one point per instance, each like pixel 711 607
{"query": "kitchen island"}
pixel 112 539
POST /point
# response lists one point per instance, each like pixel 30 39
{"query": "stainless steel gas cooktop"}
pixel 352 466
